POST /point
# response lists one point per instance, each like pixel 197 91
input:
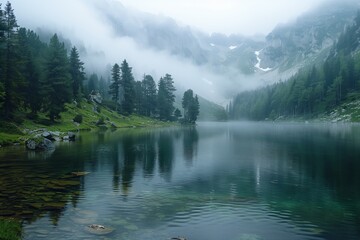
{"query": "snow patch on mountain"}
pixel 233 47
pixel 257 65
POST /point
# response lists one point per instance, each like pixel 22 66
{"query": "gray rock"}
pixel 113 125
pixel 46 134
pixel 46 144
pixel 31 144
pixel 71 136
pixel 55 134
pixel 95 97
pixel 66 138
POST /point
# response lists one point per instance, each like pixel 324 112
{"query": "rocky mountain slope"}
pixel 280 54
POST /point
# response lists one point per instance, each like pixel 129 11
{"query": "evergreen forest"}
pixel 38 77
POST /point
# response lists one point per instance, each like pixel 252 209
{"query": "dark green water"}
pixel 237 181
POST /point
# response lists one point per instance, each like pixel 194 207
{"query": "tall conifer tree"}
pixel 150 95
pixel 9 74
pixel 77 73
pixel 57 83
pixel 127 81
pixel 115 85
pixel 166 97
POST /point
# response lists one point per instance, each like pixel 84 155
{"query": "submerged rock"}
pixel 79 174
pixel 98 229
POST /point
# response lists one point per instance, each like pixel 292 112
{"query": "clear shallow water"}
pixel 236 181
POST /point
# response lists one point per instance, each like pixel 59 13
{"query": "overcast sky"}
pixel 246 17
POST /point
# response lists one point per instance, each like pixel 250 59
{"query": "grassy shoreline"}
pixel 93 117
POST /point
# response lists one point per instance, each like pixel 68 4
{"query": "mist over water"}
pixel 213 181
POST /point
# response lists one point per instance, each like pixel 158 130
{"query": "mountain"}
pixel 286 49
pixel 329 90
pixel 309 38
pixel 227 64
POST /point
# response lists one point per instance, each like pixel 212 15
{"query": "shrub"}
pixel 101 121
pixel 78 118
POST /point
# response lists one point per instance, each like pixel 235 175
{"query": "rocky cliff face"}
pixel 309 38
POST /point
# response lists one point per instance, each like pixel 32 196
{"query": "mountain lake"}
pixel 213 181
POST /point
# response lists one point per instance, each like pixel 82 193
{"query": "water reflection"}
pixel 288 181
pixel 190 143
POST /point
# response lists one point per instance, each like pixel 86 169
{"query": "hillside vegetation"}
pixel 93 117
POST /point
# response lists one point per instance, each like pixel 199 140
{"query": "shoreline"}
pixel 12 133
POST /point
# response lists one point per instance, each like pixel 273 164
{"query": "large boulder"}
pixel 39 144
pixel 48 135
pixel 95 97
pixel 31 144
pixel 46 144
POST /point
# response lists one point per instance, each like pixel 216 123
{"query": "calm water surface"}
pixel 240 181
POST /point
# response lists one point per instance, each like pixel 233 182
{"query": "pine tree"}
pixel 177 114
pixel 9 74
pixel 29 69
pixel 115 85
pixel 139 98
pixel 149 95
pixel 103 86
pixel 187 101
pixel 93 83
pixel 2 54
pixel 191 106
pixel 166 97
pixel 195 109
pixel 77 73
pixel 127 81
pixel 57 85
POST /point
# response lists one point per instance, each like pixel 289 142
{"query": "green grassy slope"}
pixel 11 132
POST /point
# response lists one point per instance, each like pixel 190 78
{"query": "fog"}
pixel 246 17
pixel 86 27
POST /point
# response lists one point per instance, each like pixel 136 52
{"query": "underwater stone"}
pixel 98 229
